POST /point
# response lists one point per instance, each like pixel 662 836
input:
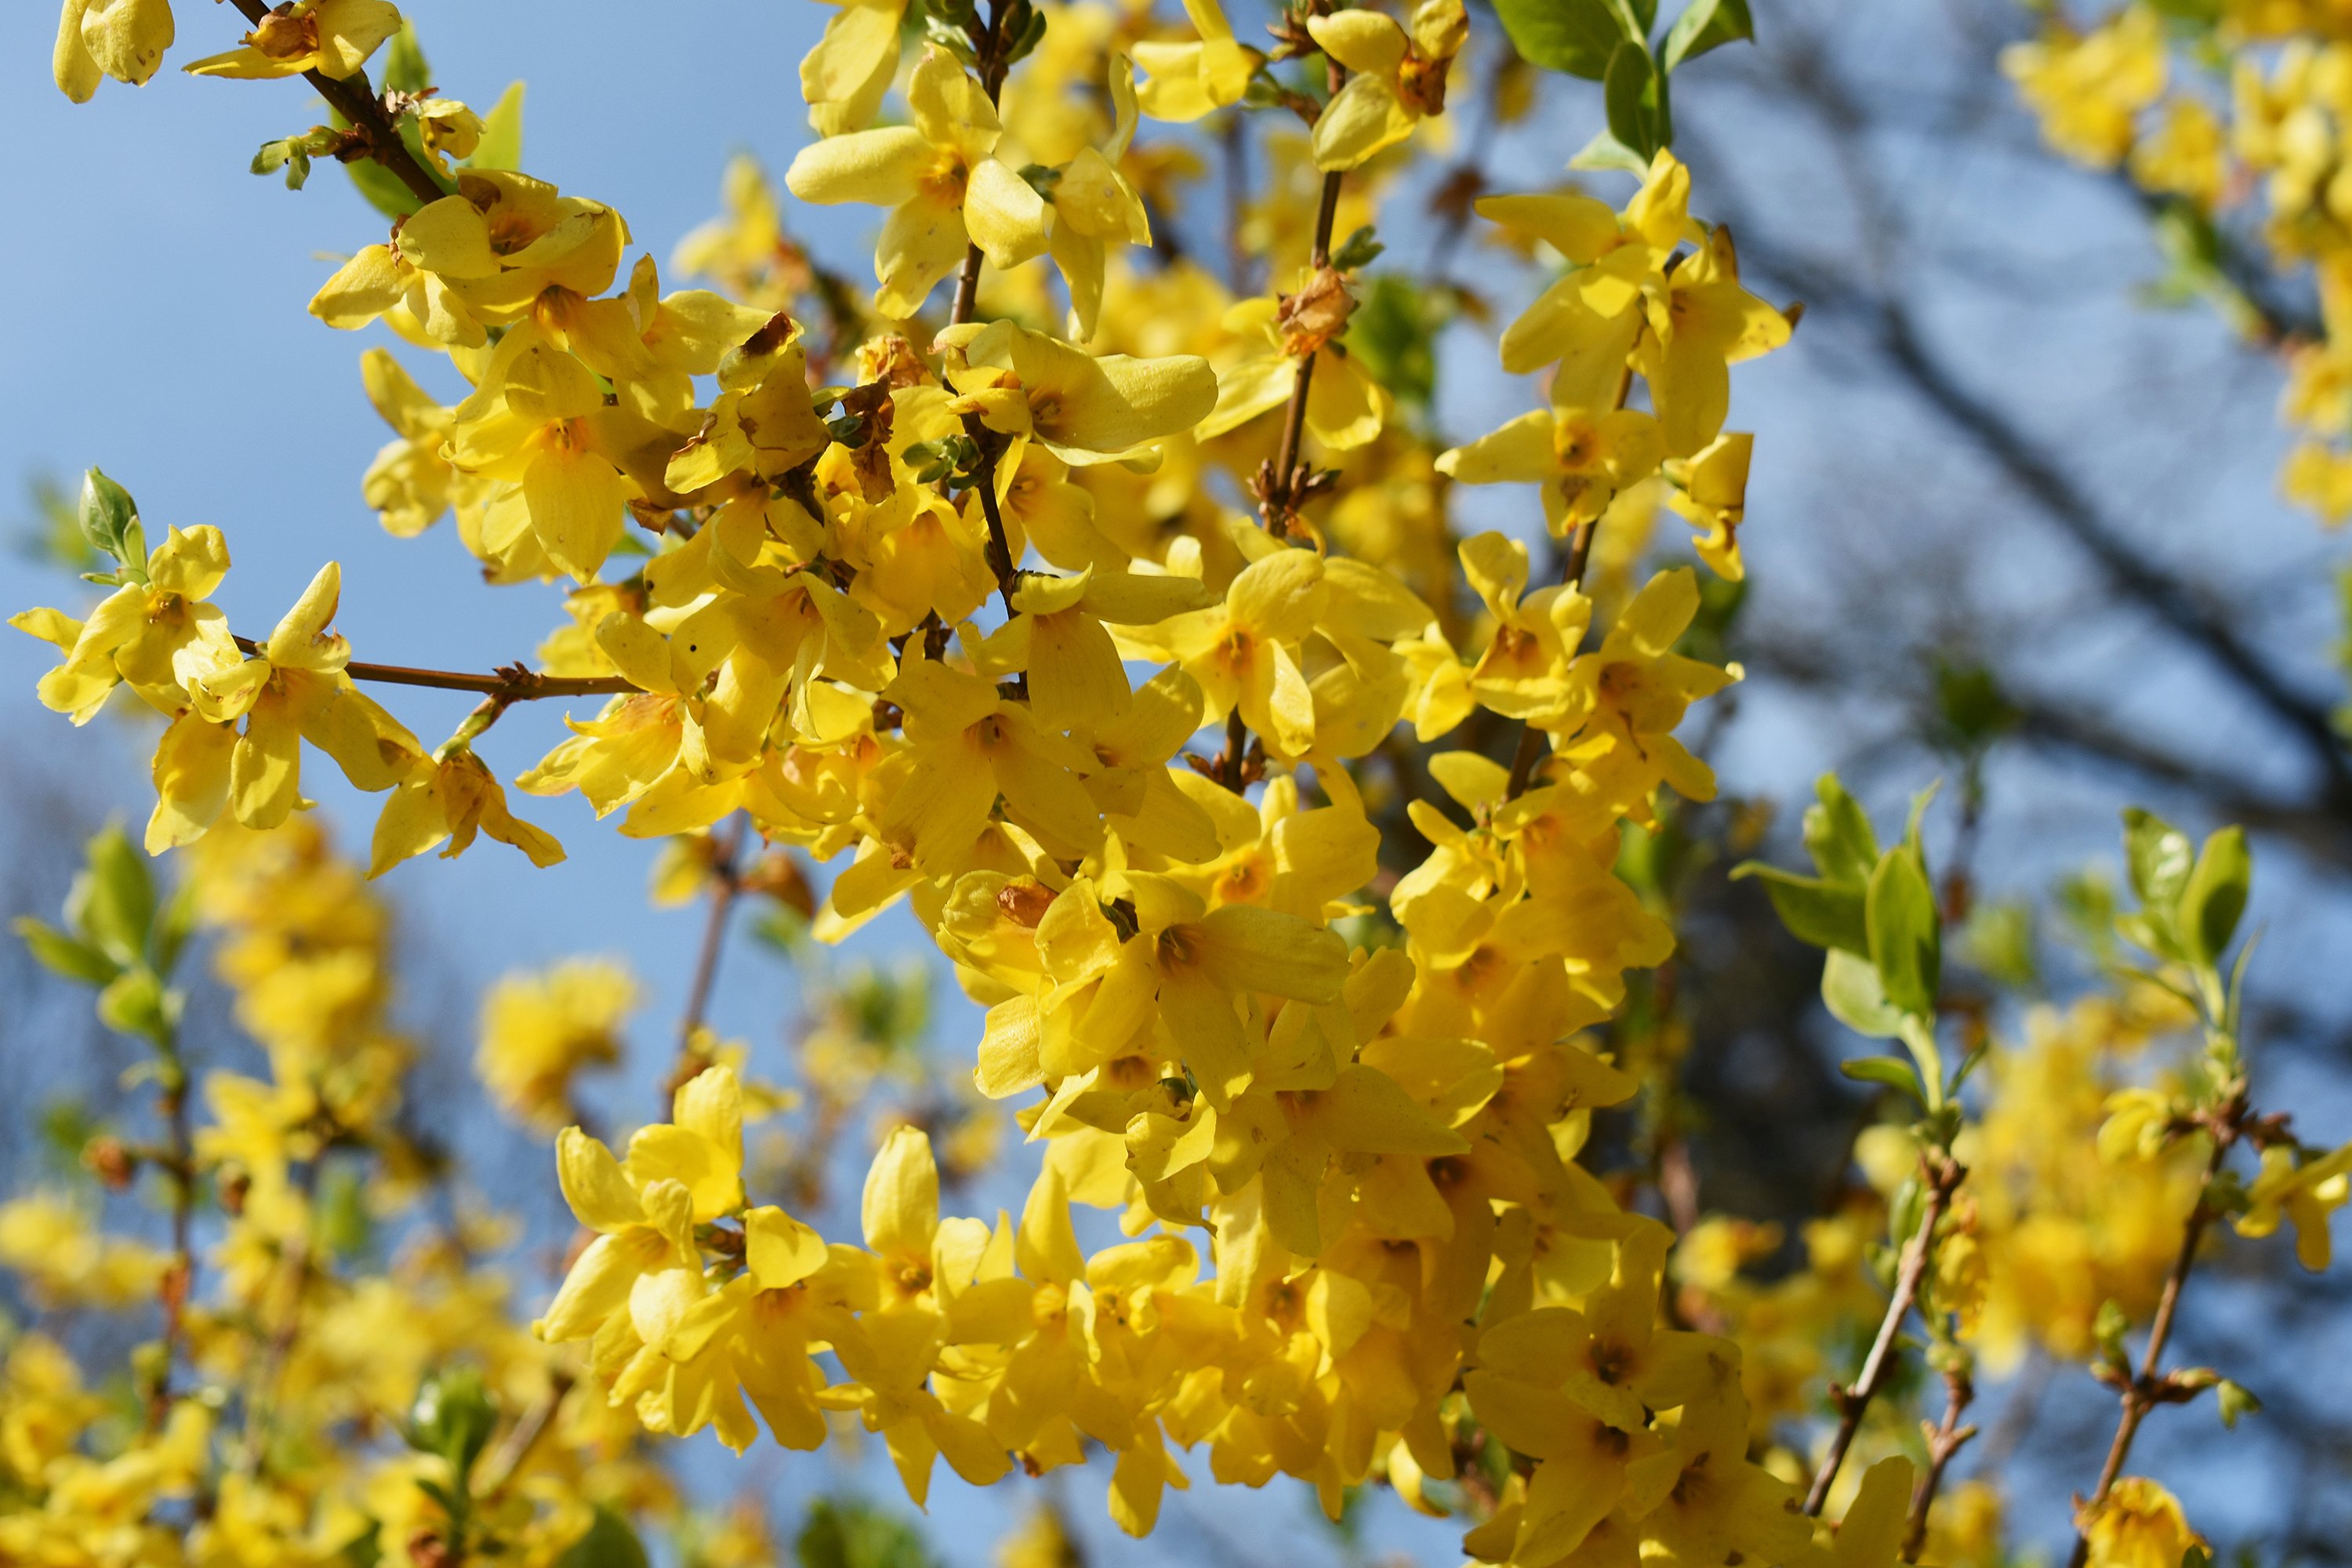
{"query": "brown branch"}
pixel 510 685
pixel 1944 1440
pixel 1281 485
pixel 179 1282
pixel 989 46
pixel 357 103
pixel 1943 1176
pixel 726 882
pixel 2151 1388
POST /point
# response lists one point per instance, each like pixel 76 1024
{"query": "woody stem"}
pixel 992 67
pixel 1852 1402
pixel 1944 1441
pixel 726 882
pixel 1279 503
pixel 506 685
pixel 357 103
pixel 2139 1396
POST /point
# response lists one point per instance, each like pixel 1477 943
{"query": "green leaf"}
pixel 1890 1072
pixel 501 144
pixel 1635 94
pixel 106 513
pixel 1707 25
pixel 609 1543
pixel 855 1535
pixel 452 1417
pixel 1605 152
pixel 2158 857
pixel 1850 991
pixel 62 954
pixel 1360 248
pixel 404 70
pixel 1906 938
pixel 2234 1401
pixel 133 1003
pixel 2215 896
pixel 1394 335
pixel 1838 834
pixel 112 904
pixel 1578 36
pixel 1816 912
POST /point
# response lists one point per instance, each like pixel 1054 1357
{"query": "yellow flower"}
pixel 2307 1195
pixel 334 37
pixel 1083 408
pixel 1399 77
pixel 292 689
pixel 160 635
pixel 1711 489
pixel 538 1030
pixel 2089 88
pixel 124 39
pixel 944 190
pixel 2140 1525
pixel 452 797
pixel 1094 206
pixel 55 1246
pixel 1582 457
pixel 1183 82
pixel 844 78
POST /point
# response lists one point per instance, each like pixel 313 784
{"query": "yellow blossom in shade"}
pixel 539 420
pixel 1581 456
pixel 1711 489
pixel 944 191
pixel 410 483
pixel 124 39
pixel 538 1030
pixel 1183 82
pixel 1345 409
pixel 2089 88
pixel 1588 319
pixel 2307 1195
pixel 2140 1525
pixel 1702 322
pixel 334 37
pixel 55 1246
pixel 452 797
pixel 1399 77
pixel 843 79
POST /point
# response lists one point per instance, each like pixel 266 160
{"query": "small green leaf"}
pixel 1886 1071
pixel 112 904
pixel 1838 834
pixel 2214 897
pixel 453 1418
pixel 2234 1401
pixel 1577 36
pixel 501 144
pixel 1707 25
pixel 405 67
pixel 107 513
pixel 608 1543
pixel 2158 857
pixel 62 954
pixel 1635 95
pixel 1360 248
pixel 1850 991
pixel 1905 938
pixel 134 1003
pixel 1816 912
pixel 1605 152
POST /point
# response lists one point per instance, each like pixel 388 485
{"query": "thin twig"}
pixel 1943 1176
pixel 2151 1387
pixel 1281 484
pixel 179 1282
pixel 726 882
pixel 357 103
pixel 1944 1440
pixel 512 684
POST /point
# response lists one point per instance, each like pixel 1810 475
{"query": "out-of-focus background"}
pixel 2012 525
